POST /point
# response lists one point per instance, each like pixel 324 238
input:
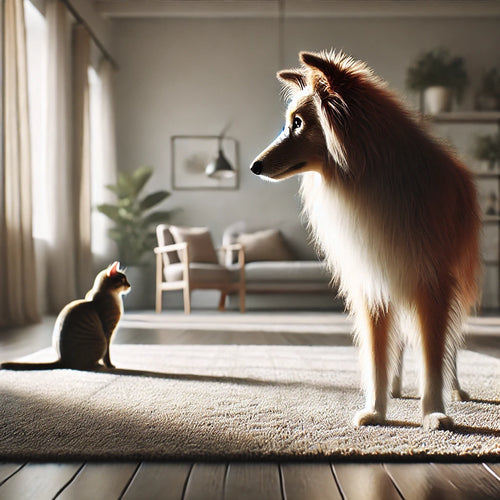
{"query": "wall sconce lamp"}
pixel 220 168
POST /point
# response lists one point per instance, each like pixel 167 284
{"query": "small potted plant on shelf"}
pixel 438 76
pixel 488 95
pixel 133 230
pixel 487 150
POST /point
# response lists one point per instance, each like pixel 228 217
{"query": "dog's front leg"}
pixel 374 343
pixel 433 313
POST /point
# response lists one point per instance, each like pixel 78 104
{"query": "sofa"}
pixel 276 264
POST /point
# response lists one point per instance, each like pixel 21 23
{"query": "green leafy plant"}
pixel 489 91
pixel 134 220
pixel 487 148
pixel 438 68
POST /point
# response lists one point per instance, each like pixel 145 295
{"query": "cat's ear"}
pixel 113 268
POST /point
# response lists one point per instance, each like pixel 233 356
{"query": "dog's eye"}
pixel 297 123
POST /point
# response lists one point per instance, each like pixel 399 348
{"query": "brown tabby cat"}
pixel 84 328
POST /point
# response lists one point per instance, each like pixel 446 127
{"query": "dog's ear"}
pixel 292 77
pixel 316 61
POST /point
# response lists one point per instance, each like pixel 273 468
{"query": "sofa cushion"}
pixel 200 273
pixel 200 245
pixel 265 245
pixel 304 271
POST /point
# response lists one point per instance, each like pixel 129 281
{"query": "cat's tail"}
pixel 31 366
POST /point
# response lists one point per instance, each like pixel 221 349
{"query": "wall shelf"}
pixel 491 221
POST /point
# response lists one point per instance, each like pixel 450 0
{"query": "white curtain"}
pixel 18 302
pixel 69 259
pixel 81 159
pixel 104 167
pixel 61 258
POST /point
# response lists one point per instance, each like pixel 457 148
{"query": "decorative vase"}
pixel 437 100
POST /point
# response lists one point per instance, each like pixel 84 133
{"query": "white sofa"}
pixel 278 264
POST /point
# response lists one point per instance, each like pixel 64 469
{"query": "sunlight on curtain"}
pixel 81 158
pixel 18 283
pixel 103 158
pixel 61 260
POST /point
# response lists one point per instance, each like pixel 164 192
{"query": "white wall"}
pixel 193 76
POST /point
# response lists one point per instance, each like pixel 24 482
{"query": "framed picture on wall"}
pixel 197 158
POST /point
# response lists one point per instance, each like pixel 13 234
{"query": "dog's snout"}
pixel 257 167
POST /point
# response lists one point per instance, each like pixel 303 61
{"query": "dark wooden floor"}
pixel 240 480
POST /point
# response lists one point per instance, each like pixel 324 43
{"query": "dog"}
pixel 395 214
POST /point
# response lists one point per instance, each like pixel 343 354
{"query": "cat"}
pixel 84 328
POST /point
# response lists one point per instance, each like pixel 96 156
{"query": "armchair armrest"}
pixel 171 248
pixel 235 247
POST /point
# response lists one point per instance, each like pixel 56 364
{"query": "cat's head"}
pixel 115 280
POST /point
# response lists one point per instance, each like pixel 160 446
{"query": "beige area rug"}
pixel 235 402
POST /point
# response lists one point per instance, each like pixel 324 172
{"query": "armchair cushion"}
pixel 265 245
pixel 164 237
pixel 200 246
pixel 201 273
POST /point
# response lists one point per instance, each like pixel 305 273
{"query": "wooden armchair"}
pixel 186 260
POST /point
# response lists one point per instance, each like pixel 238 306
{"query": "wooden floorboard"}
pixel 309 481
pixel 362 481
pixel 252 480
pixel 158 480
pixel 472 481
pixel 206 482
pixel 40 481
pixel 7 470
pixel 421 481
pixel 99 481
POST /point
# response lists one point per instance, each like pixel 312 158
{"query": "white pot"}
pixel 437 100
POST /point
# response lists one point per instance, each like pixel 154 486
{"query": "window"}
pixel 36 47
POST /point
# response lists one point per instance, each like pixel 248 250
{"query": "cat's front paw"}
pixel 369 417
pixel 438 421
pixel 459 395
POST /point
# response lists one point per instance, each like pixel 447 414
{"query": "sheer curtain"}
pixel 61 284
pixel 69 257
pixel 18 302
pixel 104 167
pixel 81 159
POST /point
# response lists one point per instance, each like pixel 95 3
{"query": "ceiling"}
pixel 297 8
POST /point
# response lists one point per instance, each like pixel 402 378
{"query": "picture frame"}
pixel 192 153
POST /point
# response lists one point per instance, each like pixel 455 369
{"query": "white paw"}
pixel 437 421
pixel 459 395
pixel 396 392
pixel 369 417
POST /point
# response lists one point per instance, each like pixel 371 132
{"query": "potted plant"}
pixel 133 230
pixel 487 149
pixel 488 95
pixel 439 76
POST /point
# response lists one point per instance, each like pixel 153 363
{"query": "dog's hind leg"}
pixel 457 393
pixel 374 340
pixel 397 376
pixel 433 309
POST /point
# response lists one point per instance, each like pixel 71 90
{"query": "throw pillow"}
pixel 200 245
pixel 265 245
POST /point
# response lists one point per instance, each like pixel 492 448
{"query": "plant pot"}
pixel 142 291
pixel 437 100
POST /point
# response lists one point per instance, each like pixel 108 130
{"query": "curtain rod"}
pixel 96 40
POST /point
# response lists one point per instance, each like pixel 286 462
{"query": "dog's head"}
pixel 322 96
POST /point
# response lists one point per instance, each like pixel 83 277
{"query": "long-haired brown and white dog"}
pixel 395 214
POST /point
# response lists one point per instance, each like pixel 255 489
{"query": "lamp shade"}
pixel 220 168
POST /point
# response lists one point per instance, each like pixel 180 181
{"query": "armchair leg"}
pixel 222 301
pixel 158 300
pixel 242 299
pixel 187 300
